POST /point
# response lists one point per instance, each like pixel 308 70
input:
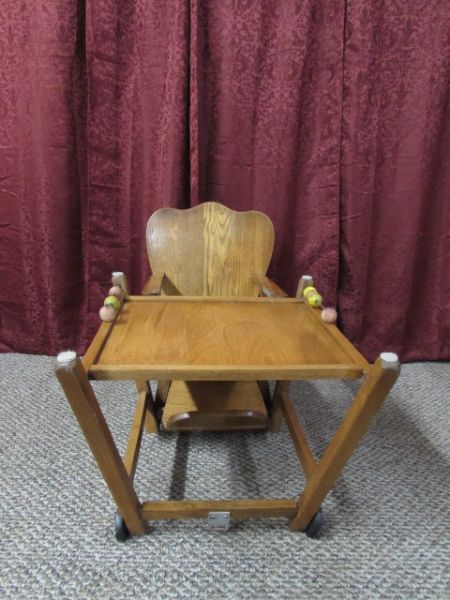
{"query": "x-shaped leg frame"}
pixel 320 476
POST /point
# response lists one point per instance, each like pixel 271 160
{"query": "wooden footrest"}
pixel 214 406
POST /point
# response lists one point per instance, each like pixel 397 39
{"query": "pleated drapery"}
pixel 330 116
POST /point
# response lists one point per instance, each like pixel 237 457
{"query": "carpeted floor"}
pixel 386 533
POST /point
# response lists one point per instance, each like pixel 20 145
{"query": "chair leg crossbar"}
pixel 303 513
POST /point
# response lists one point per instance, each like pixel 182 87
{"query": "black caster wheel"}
pixel 122 533
pixel 313 529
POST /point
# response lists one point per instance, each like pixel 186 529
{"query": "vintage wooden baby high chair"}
pixel 211 250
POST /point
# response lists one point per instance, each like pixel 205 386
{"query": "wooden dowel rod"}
pixel 134 441
pixel 198 509
pixel 298 436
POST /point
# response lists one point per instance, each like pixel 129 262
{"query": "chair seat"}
pixel 214 406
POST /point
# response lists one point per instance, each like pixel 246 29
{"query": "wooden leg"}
pixel 141 413
pixel 366 405
pixel 276 414
pixel 151 422
pixel 162 391
pixel 265 393
pixel 298 436
pixel 78 390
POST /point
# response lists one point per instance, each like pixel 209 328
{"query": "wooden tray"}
pixel 196 338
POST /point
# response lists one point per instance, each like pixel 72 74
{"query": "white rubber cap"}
pixel 390 357
pixel 117 273
pixel 389 360
pixel 66 357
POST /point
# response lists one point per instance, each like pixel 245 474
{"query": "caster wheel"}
pixel 122 533
pixel 313 529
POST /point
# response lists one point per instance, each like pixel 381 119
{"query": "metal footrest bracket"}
pixel 219 520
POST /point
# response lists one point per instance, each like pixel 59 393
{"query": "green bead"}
pixel 314 299
pixel 112 301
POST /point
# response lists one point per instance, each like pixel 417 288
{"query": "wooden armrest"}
pixel 153 285
pixel 271 289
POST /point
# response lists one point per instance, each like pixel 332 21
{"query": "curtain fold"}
pixel 331 116
pixel 394 290
pixel 138 131
pixel 270 85
pixel 42 83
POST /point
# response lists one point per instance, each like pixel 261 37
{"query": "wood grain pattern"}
pixel 96 346
pixel 219 420
pixel 214 406
pixel 210 250
pixel 346 346
pixel 259 335
pixel 205 372
pixel 199 509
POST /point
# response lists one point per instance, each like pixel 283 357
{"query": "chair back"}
pixel 210 250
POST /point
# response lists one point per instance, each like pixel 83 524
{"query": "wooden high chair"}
pixel 220 347
pixel 210 250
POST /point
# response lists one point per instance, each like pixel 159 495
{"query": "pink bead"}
pixel 329 315
pixel 107 313
pixel 117 291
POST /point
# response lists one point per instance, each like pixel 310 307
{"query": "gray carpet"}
pixel 386 533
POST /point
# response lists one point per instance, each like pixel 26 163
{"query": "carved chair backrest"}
pixel 210 250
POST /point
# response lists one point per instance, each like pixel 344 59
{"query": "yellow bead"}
pixel 309 290
pixel 314 299
pixel 112 301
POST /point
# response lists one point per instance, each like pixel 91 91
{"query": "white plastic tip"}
pixel 66 357
pixel 306 276
pixel 117 273
pixel 389 357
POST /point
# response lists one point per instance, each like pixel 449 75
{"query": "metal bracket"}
pixel 219 520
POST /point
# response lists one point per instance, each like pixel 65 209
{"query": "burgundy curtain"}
pixel 394 287
pixel 332 116
pixel 269 88
pixel 42 131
